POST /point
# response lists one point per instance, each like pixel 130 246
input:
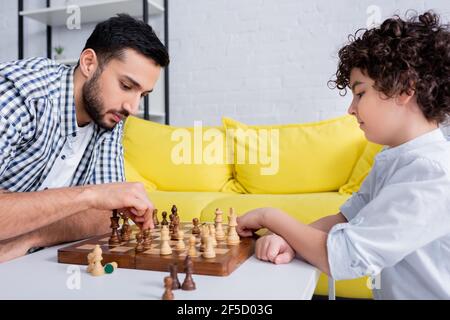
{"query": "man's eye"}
pixel 125 87
pixel 360 94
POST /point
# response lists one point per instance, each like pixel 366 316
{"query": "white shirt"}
pixel 399 223
pixel 66 163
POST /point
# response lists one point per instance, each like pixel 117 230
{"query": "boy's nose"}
pixel 351 109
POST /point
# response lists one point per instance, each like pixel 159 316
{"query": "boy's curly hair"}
pixel 403 56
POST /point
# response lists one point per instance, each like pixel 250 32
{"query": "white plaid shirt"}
pixel 37 114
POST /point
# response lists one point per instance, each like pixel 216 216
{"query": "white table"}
pixel 40 276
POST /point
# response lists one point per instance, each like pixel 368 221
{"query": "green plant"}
pixel 59 50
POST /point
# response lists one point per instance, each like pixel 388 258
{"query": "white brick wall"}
pixel 264 61
pixel 258 61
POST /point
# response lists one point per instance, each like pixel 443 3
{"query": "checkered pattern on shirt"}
pixel 37 114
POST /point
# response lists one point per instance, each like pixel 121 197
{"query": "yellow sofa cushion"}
pixel 304 207
pixel 362 169
pixel 300 158
pixel 131 175
pixel 155 152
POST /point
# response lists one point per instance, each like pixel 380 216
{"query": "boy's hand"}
pixel 274 248
pixel 250 222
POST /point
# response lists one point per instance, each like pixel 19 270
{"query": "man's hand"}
pixel 129 198
pixel 274 248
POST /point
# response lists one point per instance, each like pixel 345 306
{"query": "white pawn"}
pixel 212 232
pixel 180 244
pixel 233 237
pixel 192 250
pixel 220 234
pixel 97 268
pixel 209 249
pixel 203 235
pixel 165 246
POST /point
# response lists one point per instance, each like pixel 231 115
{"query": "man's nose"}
pixel 131 107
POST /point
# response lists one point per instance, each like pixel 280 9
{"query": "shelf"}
pixel 92 12
pixel 68 61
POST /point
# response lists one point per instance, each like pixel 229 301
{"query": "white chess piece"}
pixel 165 238
pixel 233 237
pixel 220 234
pixel 180 244
pixel 97 268
pixel 209 248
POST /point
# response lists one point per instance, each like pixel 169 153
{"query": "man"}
pixel 61 158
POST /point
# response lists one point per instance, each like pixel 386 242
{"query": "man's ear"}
pixel 88 62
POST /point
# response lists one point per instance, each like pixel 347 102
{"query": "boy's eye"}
pixel 360 94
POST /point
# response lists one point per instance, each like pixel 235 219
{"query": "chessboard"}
pixel 228 257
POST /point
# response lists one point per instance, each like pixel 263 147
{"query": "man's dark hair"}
pixel 403 56
pixel 111 37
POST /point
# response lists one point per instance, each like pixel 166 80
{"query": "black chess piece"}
pixel 155 217
pixel 168 294
pixel 173 268
pixel 164 221
pixel 174 210
pixel 115 238
pixel 188 283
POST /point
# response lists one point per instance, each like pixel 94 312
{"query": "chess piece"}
pixel 233 237
pixel 188 283
pixel 173 268
pixel 168 294
pixel 147 239
pixel 164 221
pixel 192 251
pixel 212 232
pixel 220 234
pixel 203 236
pixel 110 267
pixel 126 229
pixel 174 210
pixel 209 252
pixel 90 258
pixel 114 239
pixel 171 217
pixel 165 245
pixel 97 268
pixel 195 229
pixel 176 227
pixel 180 244
pixel 155 217
pixel 139 240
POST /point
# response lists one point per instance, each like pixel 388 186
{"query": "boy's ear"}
pixel 404 98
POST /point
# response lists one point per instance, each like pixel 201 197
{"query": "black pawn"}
pixel 188 283
pixel 173 268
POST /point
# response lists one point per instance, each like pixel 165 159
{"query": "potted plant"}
pixel 59 53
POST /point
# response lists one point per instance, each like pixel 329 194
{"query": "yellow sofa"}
pixel 308 170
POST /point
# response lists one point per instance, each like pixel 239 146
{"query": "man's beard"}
pixel 92 102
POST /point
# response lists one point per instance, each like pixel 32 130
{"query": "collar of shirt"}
pixel 429 137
